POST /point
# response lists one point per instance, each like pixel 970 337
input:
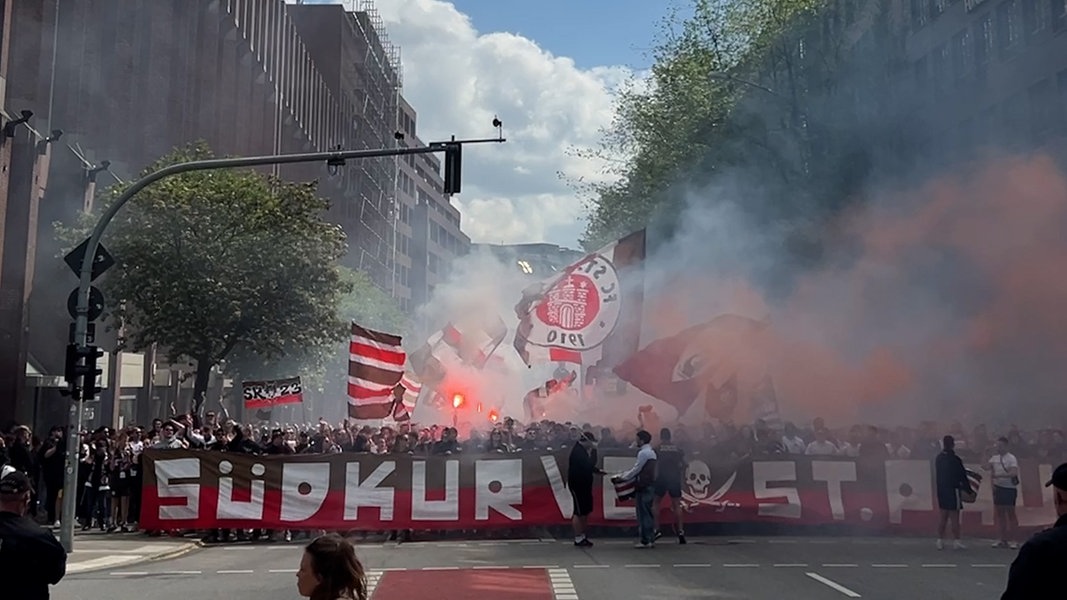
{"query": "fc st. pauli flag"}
pixel 588 312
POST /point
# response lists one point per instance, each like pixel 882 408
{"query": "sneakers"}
pixel 681 538
pixel 657 535
pixel 645 546
pixel 958 545
pixel 1013 545
pixel 940 544
pixel 1000 544
pixel 583 543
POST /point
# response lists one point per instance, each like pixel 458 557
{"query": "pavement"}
pixel 807 568
pixel 96 551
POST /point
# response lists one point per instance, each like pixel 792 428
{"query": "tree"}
pixel 216 262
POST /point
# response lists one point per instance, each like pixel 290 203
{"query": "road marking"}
pixel 236 572
pixel 743 565
pixel 562 586
pixel 991 566
pixel 791 565
pixel 889 566
pixel 641 566
pixel 440 569
pixel 691 565
pixel 833 585
pixel 129 573
pixel 281 570
pixel 783 541
pixel 185 572
pixel 939 566
pixel 548 567
pixel 741 541
pixel 241 548
pixel 594 566
pixel 839 565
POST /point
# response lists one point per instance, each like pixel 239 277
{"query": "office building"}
pixel 128 81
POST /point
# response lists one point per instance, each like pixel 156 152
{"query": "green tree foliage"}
pixel 776 94
pixel 213 263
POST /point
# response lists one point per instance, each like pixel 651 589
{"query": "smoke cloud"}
pixel 944 301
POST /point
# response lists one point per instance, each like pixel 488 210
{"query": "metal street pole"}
pixel 81 322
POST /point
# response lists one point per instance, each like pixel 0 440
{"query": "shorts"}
pixel 583 501
pixel 1004 496
pixel 949 500
pixel 671 488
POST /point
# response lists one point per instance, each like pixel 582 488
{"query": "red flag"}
pixel 703 361
pixel 375 366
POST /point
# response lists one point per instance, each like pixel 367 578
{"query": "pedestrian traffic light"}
pixel 453 167
pixel 90 372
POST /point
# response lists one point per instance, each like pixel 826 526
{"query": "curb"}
pixel 177 552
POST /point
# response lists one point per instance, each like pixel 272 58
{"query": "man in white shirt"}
pixel 792 441
pixel 1005 469
pixel 643 474
pixel 822 446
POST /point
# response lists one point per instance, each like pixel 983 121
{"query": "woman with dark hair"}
pixel 329 570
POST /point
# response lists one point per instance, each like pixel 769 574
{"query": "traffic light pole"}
pixel 452 150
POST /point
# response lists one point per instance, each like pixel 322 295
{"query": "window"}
pixel 1009 27
pixel 962 54
pixel 939 66
pixel 936 8
pixel 1042 96
pixel 1036 15
pixel 918 13
pixel 434 263
pixel 986 39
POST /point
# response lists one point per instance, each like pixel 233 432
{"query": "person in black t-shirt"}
pixel 670 470
pixel 31 558
pixel 581 471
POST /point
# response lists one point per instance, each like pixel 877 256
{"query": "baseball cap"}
pixel 1059 478
pixel 14 482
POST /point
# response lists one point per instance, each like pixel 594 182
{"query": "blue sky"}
pixel 592 32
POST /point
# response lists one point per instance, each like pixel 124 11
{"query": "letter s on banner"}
pixel 508 475
pixel 434 510
pixel 178 468
pixel 612 510
pixel 773 472
pixel 367 493
pixel 833 473
pixel 297 505
pixel 908 486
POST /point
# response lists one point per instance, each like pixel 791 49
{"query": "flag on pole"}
pixel 375 368
pixel 408 394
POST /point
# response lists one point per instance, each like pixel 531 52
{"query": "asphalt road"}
pixel 754 568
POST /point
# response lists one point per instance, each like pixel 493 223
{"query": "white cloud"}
pixel 458 79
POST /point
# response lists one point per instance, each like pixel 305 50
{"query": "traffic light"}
pixel 453 167
pixel 90 371
pixel 81 369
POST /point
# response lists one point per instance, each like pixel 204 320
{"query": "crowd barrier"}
pixel 203 490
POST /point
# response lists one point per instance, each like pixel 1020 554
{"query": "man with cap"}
pixel 580 473
pixel 31 558
pixel 1037 569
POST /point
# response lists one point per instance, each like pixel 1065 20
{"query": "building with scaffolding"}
pixel 249 77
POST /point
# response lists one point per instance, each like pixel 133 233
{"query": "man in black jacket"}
pixel 1037 569
pixel 951 478
pixel 580 474
pixel 31 558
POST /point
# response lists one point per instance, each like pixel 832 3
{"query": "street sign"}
pixel 102 261
pixel 90 334
pixel 96 303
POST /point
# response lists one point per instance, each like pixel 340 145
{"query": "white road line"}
pixel 440 569
pixel 791 565
pixel 939 566
pixel 839 565
pixel 594 566
pixel 185 572
pixel 562 586
pixel 890 566
pixel 128 573
pixel 240 548
pixel 641 566
pixel 486 567
pixel 833 585
pixel 690 565
pixel 991 566
pixel 748 565
pixel 539 567
pixel 783 541
pixel 281 570
pixel 235 572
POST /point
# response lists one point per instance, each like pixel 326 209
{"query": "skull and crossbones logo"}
pixel 698 488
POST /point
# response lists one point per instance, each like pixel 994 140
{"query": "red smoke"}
pixel 948 301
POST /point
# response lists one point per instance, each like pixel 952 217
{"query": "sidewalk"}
pixel 93 552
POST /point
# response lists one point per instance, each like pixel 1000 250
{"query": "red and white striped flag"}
pixel 474 342
pixel 375 367
pixel 409 389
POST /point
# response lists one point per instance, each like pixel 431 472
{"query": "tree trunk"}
pixel 200 384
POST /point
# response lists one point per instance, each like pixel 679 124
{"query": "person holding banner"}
pixel 643 474
pixel 951 477
pixel 581 471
